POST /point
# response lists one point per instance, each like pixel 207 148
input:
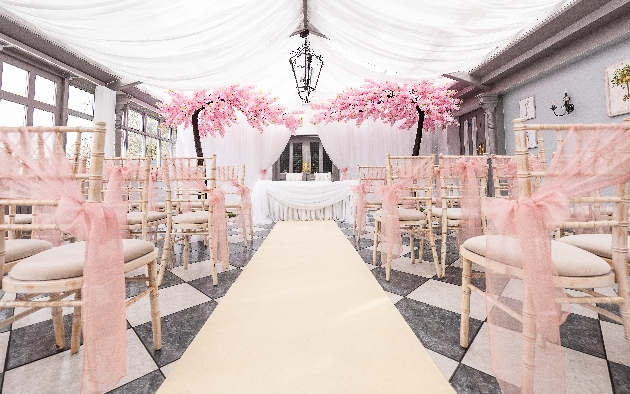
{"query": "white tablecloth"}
pixel 302 200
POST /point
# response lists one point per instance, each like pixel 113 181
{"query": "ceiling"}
pixel 198 44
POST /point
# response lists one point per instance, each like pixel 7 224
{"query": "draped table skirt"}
pixel 324 200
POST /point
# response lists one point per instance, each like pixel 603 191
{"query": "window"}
pixel 14 80
pixel 12 114
pixel 45 90
pixel 144 136
pixel 81 101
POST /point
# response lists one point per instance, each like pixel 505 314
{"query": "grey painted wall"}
pixel 583 80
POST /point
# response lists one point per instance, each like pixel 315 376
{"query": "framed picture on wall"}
pixel 618 88
pixel 527 108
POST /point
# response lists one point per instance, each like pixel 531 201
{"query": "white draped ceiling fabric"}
pixel 349 146
pixel 196 44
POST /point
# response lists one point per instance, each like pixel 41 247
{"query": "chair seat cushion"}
pixel 197 217
pixel 17 249
pixel 451 213
pixel 599 244
pixel 20 218
pixel 568 260
pixel 405 214
pixel 67 261
pixel 152 216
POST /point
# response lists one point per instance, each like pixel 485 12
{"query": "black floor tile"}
pixel 132 289
pixel 620 375
pixel 34 342
pixel 467 380
pixel 366 255
pixel 437 329
pixel 178 331
pixel 240 257
pixel 582 334
pixel 226 279
pixel 400 283
pixel 614 308
pixel 453 275
pixel 147 384
pixel 5 314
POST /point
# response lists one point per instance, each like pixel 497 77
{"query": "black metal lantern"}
pixel 306 67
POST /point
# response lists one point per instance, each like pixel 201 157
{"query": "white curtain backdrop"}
pixel 192 44
pixel 350 146
pixel 242 144
pixel 105 111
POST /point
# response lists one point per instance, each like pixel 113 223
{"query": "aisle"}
pixel 306 316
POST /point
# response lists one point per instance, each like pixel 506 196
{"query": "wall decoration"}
pixel 527 108
pixel 618 88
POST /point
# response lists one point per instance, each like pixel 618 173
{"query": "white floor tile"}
pixel 444 364
pixel 370 266
pixel 584 373
pixel 421 268
pixel 61 373
pixel 4 344
pixel 168 368
pixel 617 346
pixel 172 299
pixel 449 297
pixel 197 270
pixel 394 298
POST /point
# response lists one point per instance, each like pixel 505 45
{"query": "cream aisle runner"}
pixel 305 316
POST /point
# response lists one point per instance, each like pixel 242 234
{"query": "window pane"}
pixel 152 149
pixel 152 126
pixel 314 157
pixel 165 132
pixel 134 120
pixel 45 90
pixel 86 138
pixel 327 164
pixel 43 118
pixel 284 160
pixel 12 114
pixel 134 145
pixel 14 80
pixel 297 157
pixel 165 148
pixel 80 100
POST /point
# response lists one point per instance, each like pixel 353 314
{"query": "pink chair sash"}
pixel 360 204
pixel 344 173
pixel 573 172
pixel 50 176
pixel 467 170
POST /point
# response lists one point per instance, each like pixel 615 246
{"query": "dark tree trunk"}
pixel 416 145
pixel 195 125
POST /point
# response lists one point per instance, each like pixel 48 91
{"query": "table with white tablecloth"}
pixel 312 200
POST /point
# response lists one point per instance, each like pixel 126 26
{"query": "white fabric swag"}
pixel 192 44
pixel 105 111
pixel 242 144
pixel 302 200
pixel 349 146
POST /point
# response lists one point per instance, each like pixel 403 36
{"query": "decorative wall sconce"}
pixel 568 107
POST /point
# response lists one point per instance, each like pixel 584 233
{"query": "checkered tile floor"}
pixel 596 354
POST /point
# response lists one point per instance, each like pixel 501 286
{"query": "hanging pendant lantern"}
pixel 306 67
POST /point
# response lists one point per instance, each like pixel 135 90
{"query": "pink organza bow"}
pixel 344 173
pixel 468 171
pixel 49 175
pixel 360 205
pixel 154 175
pixel 246 205
pixel 390 221
pixel 216 199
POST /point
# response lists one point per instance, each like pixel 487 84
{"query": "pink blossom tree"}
pixel 210 112
pixel 424 104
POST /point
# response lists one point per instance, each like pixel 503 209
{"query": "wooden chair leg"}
pixel 421 249
pixel 154 297
pixel 444 241
pixel 465 307
pixel 244 236
pixel 75 339
pixel 529 342
pixel 412 244
pixel 187 249
pixel 377 229
pixel 57 318
pixel 388 266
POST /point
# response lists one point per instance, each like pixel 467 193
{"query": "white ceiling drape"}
pixel 195 44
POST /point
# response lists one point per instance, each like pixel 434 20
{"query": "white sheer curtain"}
pixel 105 111
pixel 243 144
pixel 349 146
pixel 192 44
